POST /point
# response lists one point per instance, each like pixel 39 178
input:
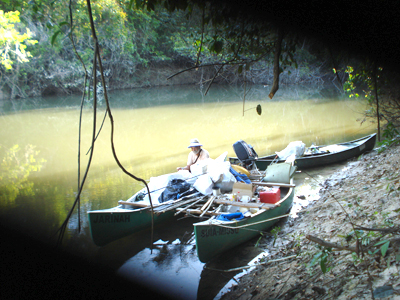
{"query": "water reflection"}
pixel 173 268
pixel 16 166
pixel 172 95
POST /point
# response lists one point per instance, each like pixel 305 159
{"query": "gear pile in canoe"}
pixel 225 195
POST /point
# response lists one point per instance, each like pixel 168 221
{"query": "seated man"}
pixel 197 154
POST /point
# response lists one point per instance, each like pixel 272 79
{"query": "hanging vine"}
pixel 98 63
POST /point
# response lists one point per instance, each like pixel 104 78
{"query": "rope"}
pixel 256 223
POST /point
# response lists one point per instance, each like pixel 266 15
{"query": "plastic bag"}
pixel 174 188
pixel 279 173
pixel 296 148
pixel 240 177
pixel 229 217
pixel 204 184
pixel 216 170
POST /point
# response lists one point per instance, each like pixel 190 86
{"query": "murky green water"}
pixel 39 147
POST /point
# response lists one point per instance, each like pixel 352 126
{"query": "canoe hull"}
pixel 109 225
pixel 212 239
pixel 353 149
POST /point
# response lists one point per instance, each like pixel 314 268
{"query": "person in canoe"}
pixel 197 154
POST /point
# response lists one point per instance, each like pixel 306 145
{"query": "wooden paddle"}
pixel 287 185
pixel 208 206
pixel 207 203
pixel 198 211
pixel 186 208
pixel 137 204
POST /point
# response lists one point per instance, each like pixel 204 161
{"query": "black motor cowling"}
pixel 245 153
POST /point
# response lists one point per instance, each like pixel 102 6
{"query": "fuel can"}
pixel 272 195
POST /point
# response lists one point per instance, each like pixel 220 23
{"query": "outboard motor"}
pixel 245 153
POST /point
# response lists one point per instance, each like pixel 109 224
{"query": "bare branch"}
pixel 212 80
pixel 330 245
pixel 386 230
pixel 202 37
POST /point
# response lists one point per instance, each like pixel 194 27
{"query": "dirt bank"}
pixel 366 194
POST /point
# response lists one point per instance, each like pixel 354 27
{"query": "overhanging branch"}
pixel 278 49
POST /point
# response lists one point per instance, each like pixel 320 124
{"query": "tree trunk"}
pixel 278 48
pixel 377 100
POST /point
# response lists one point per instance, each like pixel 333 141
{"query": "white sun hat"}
pixel 194 143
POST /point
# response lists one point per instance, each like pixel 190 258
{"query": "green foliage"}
pixel 13 44
pixel 297 239
pixel 259 239
pixel 275 231
pixel 390 132
pixel 322 257
pixel 134 34
pixel 356 258
pixel 384 246
pixel 363 236
pixel 391 135
pixel 362 81
pixel 379 87
pixel 350 84
pixel 366 237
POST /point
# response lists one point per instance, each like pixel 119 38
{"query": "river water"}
pixel 39 170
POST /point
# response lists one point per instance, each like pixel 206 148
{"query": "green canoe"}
pixel 322 155
pixel 133 215
pixel 108 225
pixel 214 236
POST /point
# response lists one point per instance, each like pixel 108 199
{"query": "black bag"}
pixel 174 188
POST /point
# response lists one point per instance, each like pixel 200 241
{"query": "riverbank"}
pixel 68 78
pixel 365 194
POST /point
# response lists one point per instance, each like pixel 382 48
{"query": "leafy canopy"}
pixel 12 43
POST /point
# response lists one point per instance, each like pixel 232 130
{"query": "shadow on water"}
pixel 35 270
pixel 125 248
pixel 217 273
pixel 172 268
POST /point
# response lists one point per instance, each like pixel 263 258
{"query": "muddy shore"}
pixel 317 255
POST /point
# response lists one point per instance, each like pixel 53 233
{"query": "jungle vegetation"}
pixel 145 44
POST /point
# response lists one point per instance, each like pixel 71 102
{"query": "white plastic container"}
pixel 245 199
pixel 216 191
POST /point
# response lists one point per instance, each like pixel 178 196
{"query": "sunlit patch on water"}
pixel 306 193
pixel 309 184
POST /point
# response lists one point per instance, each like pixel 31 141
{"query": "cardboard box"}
pixel 243 189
